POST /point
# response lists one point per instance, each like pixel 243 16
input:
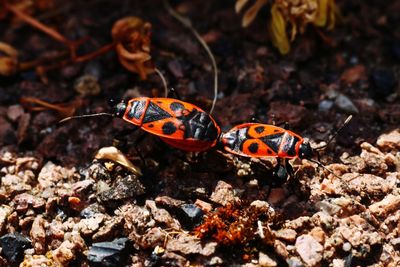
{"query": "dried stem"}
pixel 187 23
pixel 163 80
pixel 42 27
pixel 65 110
pixel 78 59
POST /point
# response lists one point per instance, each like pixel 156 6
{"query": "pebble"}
pixel 223 194
pixel 345 104
pixel 108 254
pixel 266 261
pixel 318 234
pixel 260 204
pixel 5 211
pixel 13 246
pixel 14 112
pixel 338 263
pixel 36 260
pixel 70 249
pixel 309 249
pixel 325 105
pixel 153 238
pixel 109 229
pixel 162 216
pixel 135 217
pixel 38 235
pixel 346 246
pixel 168 201
pixel 123 188
pixel 389 141
pixel 369 183
pixel 185 244
pixel 24 201
pixel 294 262
pixel 280 249
pixel 90 225
pixel 387 205
pixel 193 214
pixel 286 234
pixel 87 85
pixel 383 83
pixel 204 206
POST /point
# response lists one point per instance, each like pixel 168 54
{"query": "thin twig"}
pixel 37 24
pixel 72 45
pixel 163 80
pixel 78 59
pixel 188 24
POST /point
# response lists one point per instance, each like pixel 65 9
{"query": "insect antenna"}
pixel 345 184
pixel 335 134
pixel 323 166
pixel 85 116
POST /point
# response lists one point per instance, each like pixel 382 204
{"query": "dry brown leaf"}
pixel 278 31
pixel 252 12
pixel 132 38
pixel 239 5
pixel 64 110
pixel 8 59
pixel 288 17
pixel 353 74
pixel 113 154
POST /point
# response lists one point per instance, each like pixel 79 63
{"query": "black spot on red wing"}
pixel 259 129
pixel 159 102
pixel 276 130
pixel 273 141
pixel 150 125
pixel 269 151
pixel 175 106
pixel 155 113
pixel 169 128
pixel 253 148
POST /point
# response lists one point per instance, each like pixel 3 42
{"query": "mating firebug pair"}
pixel 185 126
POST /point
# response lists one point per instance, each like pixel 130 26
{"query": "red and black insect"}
pixel 262 140
pixel 179 124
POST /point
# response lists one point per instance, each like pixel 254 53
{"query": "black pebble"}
pixel 192 213
pixel 383 83
pixel 108 254
pixel 13 246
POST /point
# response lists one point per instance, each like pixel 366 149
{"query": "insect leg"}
pixel 280 174
pixel 286 125
pixel 120 139
pixel 289 168
pixel 175 92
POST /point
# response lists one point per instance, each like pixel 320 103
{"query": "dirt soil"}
pixel 61 207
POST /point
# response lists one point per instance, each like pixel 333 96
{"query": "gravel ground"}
pixel 63 205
